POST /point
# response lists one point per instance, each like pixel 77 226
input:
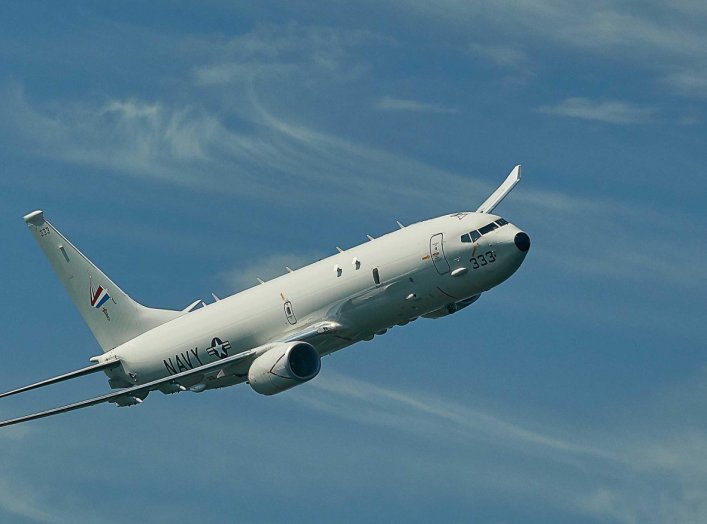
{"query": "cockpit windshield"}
pixel 475 235
pixel 488 228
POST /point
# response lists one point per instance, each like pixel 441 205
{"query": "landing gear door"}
pixel 437 254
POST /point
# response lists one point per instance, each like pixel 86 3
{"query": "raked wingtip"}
pixel 35 217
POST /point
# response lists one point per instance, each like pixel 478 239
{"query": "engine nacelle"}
pixel 452 307
pixel 284 366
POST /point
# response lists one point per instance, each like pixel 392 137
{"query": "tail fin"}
pixel 112 316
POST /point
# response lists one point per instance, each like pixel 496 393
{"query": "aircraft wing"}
pixel 66 376
pixel 310 332
pixel 508 184
pixel 317 329
pixel 136 390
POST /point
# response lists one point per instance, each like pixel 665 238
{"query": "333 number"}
pixel 482 260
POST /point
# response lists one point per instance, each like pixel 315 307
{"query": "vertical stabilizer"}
pixel 112 316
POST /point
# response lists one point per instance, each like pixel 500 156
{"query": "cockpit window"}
pixel 476 235
pixel 488 228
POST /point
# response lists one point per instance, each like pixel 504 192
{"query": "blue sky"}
pixel 192 147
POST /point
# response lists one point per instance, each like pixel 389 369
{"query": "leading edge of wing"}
pixel 137 389
pixel 66 376
pixel 324 327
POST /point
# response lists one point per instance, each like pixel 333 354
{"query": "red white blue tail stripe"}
pixel 99 296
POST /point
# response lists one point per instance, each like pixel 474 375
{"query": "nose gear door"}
pixel 437 254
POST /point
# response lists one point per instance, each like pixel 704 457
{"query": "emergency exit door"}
pixel 437 254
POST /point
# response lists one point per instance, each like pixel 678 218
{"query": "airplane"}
pixel 272 336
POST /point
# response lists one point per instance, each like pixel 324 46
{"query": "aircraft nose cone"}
pixel 522 241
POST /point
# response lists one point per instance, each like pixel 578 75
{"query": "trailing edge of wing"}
pixel 134 390
pixel 508 184
pixel 66 376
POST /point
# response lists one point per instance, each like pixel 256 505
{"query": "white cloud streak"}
pixel 690 82
pixel 383 406
pixel 23 501
pixel 608 111
pixel 266 268
pixel 501 55
pixel 285 51
pixel 606 472
pixel 389 103
pixel 191 147
pixel 665 38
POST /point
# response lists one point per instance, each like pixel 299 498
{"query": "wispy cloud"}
pixel 602 471
pixel 266 268
pixel 191 146
pixel 692 82
pixel 280 51
pixel 23 501
pixel 128 136
pixel 608 111
pixel 383 406
pixel 636 36
pixel 14 433
pixel 388 103
pixel 500 54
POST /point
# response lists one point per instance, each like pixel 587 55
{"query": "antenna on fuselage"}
pixel 399 224
pixel 260 280
pixel 339 249
pixel 289 269
pixel 370 237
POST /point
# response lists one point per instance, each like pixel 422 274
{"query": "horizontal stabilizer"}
pixel 508 184
pixel 66 376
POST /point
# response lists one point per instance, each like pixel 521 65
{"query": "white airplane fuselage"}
pixel 422 269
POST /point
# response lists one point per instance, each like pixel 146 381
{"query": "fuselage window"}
pixel 466 238
pixel 501 222
pixel 376 276
pixel 475 235
pixel 488 228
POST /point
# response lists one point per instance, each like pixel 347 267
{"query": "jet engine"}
pixel 283 367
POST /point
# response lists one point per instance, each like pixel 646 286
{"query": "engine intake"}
pixel 283 367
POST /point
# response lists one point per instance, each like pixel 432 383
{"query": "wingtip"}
pixel 35 217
